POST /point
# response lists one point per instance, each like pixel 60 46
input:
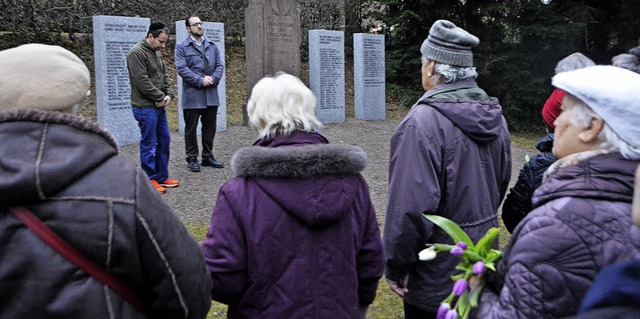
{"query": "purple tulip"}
pixel 462 245
pixel 442 310
pixel 460 287
pixel 478 268
pixel 456 251
pixel 451 314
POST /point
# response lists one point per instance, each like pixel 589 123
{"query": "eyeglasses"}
pixel 196 24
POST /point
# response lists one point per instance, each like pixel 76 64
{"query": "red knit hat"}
pixel 551 108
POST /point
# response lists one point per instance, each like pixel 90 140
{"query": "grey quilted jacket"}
pixel 581 223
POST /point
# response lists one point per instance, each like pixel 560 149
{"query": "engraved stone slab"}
pixel 112 38
pixel 272 43
pixel 213 31
pixel 326 74
pixel 369 76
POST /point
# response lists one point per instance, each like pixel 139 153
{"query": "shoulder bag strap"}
pixel 65 249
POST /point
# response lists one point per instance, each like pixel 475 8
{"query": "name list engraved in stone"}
pixel 330 73
pixel 117 76
pixel 373 62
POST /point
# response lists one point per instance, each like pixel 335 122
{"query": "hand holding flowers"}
pixel 477 259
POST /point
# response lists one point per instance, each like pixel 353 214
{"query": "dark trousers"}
pixel 413 312
pixel 208 119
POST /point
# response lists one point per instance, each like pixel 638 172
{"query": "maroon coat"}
pixel 295 235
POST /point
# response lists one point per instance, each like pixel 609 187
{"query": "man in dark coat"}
pixel 198 63
pixel 450 156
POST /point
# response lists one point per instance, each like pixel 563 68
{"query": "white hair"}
pixel 581 116
pixel 450 73
pixel 280 105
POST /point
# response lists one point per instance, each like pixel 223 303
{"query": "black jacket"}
pixel 518 202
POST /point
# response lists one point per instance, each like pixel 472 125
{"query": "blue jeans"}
pixel 154 142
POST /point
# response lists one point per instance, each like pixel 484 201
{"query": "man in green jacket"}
pixel 151 92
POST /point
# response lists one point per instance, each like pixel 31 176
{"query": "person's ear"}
pixel 590 134
pixel 431 68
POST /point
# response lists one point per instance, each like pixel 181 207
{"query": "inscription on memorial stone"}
pixel 272 44
pixel 326 74
pixel 112 39
pixel 369 76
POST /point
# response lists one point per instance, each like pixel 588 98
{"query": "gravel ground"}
pixel 195 198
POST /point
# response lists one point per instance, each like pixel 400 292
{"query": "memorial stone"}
pixel 213 31
pixel 112 38
pixel 369 76
pixel 272 40
pixel 326 74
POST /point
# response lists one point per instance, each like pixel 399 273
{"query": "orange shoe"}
pixel 170 183
pixel 158 187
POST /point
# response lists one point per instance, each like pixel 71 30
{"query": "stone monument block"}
pixel 112 38
pixel 213 31
pixel 272 43
pixel 369 76
pixel 326 74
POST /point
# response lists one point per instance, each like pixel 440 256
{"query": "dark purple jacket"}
pixel 295 235
pixel 581 224
pixel 450 156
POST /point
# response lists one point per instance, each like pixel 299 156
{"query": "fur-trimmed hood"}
pixel 311 180
pixel 298 161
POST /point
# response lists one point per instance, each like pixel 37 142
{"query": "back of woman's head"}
pixel 280 105
pixel 629 60
pixel 572 62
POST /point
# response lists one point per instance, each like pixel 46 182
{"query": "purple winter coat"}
pixel 581 224
pixel 295 235
pixel 450 156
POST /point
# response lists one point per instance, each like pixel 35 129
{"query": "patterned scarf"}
pixel 572 160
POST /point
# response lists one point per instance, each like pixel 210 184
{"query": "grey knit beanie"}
pixel 449 44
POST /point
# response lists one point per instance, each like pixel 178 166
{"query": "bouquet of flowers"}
pixel 477 260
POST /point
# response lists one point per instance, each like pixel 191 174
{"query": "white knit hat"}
pixel 45 77
pixel 612 92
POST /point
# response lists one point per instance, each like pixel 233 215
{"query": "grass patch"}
pixel 526 140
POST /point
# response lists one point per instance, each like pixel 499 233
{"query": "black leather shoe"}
pixel 193 165
pixel 212 162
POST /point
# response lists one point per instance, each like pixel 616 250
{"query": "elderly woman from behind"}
pixel 295 234
pixel 629 60
pixel 582 217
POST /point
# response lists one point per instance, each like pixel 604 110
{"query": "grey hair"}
pixel 629 60
pixel 280 105
pixel 450 73
pixel 573 62
pixel 581 116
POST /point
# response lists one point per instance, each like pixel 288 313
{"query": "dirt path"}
pixel 195 198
